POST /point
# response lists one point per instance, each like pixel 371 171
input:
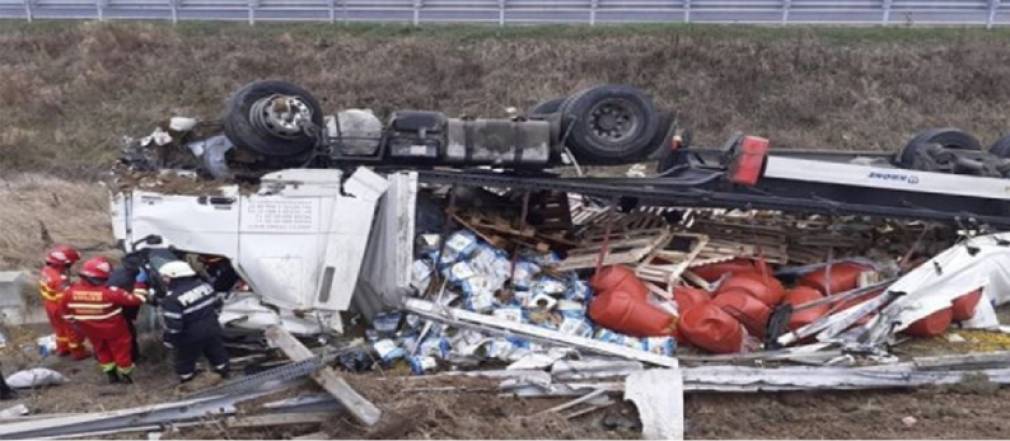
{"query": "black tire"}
pixel 1001 148
pixel 950 138
pixel 596 136
pixel 241 132
pixel 547 107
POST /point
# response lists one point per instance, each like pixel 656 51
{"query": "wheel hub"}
pixel 283 116
pixel 613 121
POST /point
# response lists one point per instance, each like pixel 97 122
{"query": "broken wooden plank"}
pixel 314 435
pixel 359 407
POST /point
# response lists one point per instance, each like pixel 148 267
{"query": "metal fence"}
pixel 502 12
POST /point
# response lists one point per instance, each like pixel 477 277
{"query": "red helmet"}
pixel 62 255
pixel 96 268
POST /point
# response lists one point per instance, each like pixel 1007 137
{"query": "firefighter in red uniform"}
pixel 98 311
pixel 53 281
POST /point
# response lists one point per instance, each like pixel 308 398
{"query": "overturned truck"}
pixel 321 234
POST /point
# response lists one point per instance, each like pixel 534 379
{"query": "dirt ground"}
pixel 419 408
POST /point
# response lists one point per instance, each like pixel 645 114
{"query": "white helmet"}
pixel 176 269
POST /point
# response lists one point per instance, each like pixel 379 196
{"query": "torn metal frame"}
pixel 494 325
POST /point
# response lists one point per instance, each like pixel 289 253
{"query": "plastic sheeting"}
pixel 979 262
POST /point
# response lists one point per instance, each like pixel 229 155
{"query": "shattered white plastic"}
pixel 979 262
pixel 299 242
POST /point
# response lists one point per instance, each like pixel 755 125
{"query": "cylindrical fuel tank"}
pixel 498 142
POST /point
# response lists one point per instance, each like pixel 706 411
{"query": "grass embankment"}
pixel 71 90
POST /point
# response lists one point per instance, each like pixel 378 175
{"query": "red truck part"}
pixel 746 167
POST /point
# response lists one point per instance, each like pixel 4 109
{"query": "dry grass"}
pixel 71 90
pixel 72 212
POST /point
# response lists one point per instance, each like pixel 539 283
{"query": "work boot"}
pixel 113 377
pixel 198 383
pixel 126 378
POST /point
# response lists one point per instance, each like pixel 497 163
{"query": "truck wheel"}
pixel 947 137
pixel 609 124
pixel 1001 148
pixel 547 107
pixel 268 118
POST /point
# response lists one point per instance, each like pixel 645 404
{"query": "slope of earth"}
pixel 71 90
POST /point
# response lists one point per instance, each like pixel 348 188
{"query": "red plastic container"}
pixel 708 327
pixel 800 295
pixel 714 271
pixel 844 277
pixel 964 306
pixel 688 297
pixel 751 312
pixel 626 313
pixel 618 277
pixel 931 325
pixel 763 287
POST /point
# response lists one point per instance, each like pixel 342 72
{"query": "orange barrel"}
pixel 618 277
pixel 931 325
pixel 708 327
pixel 800 295
pixel 763 287
pixel 687 297
pixel 844 277
pixel 713 271
pixel 751 312
pixel 964 306
pixel 622 311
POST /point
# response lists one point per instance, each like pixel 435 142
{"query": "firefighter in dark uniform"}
pixel 129 277
pixel 190 312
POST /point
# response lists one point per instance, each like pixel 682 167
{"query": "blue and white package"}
pixel 510 313
pixel 460 245
pixel 523 298
pixel 388 350
pixel 387 323
pixel 543 301
pixel 606 335
pixel 459 272
pixel 576 326
pixel 420 274
pixel 660 345
pixel 524 273
pixel 435 346
pixel 571 308
pixel 419 365
pixel 480 302
pixel 578 290
pixel 549 286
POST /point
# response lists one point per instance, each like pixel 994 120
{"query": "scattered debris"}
pixel 35 377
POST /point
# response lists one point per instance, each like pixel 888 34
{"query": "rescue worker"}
pixel 190 311
pixel 53 281
pixel 98 311
pixel 129 276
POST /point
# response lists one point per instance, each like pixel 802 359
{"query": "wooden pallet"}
pixel 623 248
pixel 666 263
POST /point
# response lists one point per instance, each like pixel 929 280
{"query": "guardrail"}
pixel 503 12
